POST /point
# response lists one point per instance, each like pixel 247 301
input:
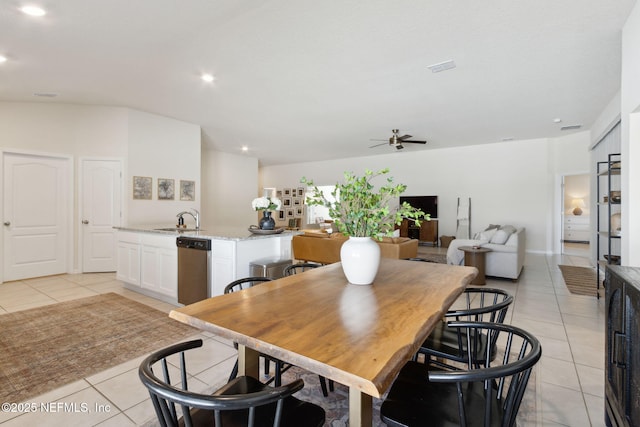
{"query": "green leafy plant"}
pixel 359 210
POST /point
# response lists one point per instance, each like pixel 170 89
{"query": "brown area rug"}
pixel 580 280
pixel 433 257
pixel 46 347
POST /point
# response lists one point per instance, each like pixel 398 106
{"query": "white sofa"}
pixel 505 260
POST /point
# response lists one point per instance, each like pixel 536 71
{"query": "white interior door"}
pixel 36 201
pixel 101 206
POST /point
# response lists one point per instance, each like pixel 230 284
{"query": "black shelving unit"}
pixel 609 204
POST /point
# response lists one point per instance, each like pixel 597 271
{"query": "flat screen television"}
pixel 427 204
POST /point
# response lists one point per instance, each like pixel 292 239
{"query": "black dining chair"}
pixel 489 394
pixel 245 283
pixel 301 267
pixel 445 344
pixel 245 401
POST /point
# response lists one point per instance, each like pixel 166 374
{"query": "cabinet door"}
pixel 429 231
pixel 168 274
pixel 632 392
pixel 160 270
pixel 128 263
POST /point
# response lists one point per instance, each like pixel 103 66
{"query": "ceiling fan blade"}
pixel 377 145
pixel 404 137
pixel 415 142
pixel 379 139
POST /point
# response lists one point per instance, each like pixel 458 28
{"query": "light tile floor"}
pixel 569 380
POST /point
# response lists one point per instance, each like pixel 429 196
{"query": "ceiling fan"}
pixel 397 141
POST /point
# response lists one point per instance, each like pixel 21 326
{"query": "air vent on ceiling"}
pixel 45 94
pixel 571 127
pixel 442 66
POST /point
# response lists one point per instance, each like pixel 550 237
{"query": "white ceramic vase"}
pixel 360 257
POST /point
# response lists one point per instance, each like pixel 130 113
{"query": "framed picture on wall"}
pixel 299 212
pixel 290 213
pixel 166 189
pixel 286 201
pixel 300 192
pixel 297 201
pixel 142 188
pixel 281 215
pixel 286 192
pixel 187 190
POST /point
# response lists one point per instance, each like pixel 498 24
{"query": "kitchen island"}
pixel 147 256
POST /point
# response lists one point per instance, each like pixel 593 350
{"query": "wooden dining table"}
pixel 356 335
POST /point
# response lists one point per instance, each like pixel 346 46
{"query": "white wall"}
pixel 509 183
pixel 76 130
pixel 229 184
pixel 630 115
pixel 148 145
pixel 160 147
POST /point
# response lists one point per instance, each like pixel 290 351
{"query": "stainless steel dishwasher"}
pixel 194 261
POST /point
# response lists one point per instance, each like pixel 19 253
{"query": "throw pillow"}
pixel 500 238
pixel 508 228
pixel 487 235
pixel 491 226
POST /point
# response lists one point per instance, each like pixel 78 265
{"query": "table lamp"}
pixel 577 204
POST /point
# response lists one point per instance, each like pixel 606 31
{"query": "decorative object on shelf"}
pixel 257 230
pixel 616 196
pixel 363 213
pixel 616 224
pixel 266 205
pixel 577 204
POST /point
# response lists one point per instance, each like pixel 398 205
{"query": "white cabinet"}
pixel 576 228
pixel 148 263
pixel 223 261
pixel 159 264
pixel 128 258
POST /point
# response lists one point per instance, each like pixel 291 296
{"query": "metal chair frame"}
pixel 496 391
pixel 196 407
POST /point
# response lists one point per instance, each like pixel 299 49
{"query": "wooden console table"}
pixel 427 232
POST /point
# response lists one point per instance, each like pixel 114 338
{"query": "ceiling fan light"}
pixel 399 146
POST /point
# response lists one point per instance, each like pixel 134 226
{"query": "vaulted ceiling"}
pixel 300 80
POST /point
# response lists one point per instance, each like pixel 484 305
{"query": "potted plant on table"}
pixel 362 212
pixel 266 205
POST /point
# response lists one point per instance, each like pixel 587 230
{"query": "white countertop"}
pixel 205 232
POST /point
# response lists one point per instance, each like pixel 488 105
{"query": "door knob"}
pixel 84 221
pixel 7 223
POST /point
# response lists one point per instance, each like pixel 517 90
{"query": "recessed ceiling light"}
pixel 557 120
pixel 207 78
pixel 33 10
pixel 442 66
pixel 3 59
pixel 508 138
pixel 245 148
pixel 571 127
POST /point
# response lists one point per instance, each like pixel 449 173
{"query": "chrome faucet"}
pixel 194 213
